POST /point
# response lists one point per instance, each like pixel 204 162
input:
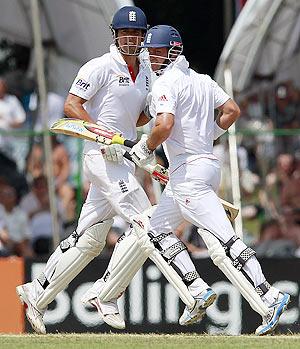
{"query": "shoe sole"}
pixel 208 302
pixel 279 311
pixel 24 300
pixel 96 305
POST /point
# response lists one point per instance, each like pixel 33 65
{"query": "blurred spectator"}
pixel 273 243
pixel 283 186
pixel 287 105
pixel 36 205
pixel 12 116
pixel 290 226
pixel 4 240
pixel 15 234
pixel 61 171
pixel 55 109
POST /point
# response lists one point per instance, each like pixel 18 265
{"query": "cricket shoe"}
pixel 108 311
pixel 196 313
pixel 34 315
pixel 270 321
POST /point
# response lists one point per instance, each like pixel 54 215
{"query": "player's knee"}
pixel 91 242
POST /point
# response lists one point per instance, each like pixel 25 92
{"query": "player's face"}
pixel 158 56
pixel 129 41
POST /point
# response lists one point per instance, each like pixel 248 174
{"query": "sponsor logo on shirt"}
pixel 124 81
pixel 163 98
pixel 147 83
pixel 82 84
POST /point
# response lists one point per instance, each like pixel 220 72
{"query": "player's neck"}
pixel 131 61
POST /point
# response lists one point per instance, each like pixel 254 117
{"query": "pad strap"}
pixel 43 281
pixel 227 245
pixel 263 288
pixel 171 252
pixel 188 278
pixel 158 238
pixel 241 260
pixel 69 242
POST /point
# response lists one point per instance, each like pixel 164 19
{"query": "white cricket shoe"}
pixel 34 316
pixel 270 321
pixel 108 311
pixel 195 314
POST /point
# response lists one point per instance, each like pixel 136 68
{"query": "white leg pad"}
pixel 74 260
pixel 173 278
pixel 236 277
pixel 131 255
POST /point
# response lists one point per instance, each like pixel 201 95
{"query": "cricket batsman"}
pixel 183 103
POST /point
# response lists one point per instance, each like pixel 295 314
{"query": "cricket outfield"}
pixel 140 341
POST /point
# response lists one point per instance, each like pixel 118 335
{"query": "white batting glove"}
pixel 112 153
pixel 140 153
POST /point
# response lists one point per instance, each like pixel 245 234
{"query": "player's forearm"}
pixel 158 135
pixel 161 131
pixel 73 108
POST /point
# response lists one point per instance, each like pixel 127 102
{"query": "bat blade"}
pixel 158 173
pixel 231 210
pixel 83 129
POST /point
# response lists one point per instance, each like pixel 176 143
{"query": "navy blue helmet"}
pixel 163 36
pixel 129 17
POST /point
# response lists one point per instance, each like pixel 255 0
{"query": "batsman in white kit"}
pixel 183 103
pixel 109 90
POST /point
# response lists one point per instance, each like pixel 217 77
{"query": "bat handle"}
pixel 127 156
pixel 129 143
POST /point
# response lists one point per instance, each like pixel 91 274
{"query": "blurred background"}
pixel 252 49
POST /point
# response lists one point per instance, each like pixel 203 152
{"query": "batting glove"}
pixel 112 153
pixel 141 154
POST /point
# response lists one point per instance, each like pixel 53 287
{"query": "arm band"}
pixel 218 131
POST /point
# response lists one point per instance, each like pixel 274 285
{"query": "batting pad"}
pixel 74 260
pixel 236 277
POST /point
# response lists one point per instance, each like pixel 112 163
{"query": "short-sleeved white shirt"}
pixel 113 98
pixel 16 223
pixel 192 99
pixel 11 111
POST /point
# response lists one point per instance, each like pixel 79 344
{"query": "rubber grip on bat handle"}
pixel 129 143
pixel 127 156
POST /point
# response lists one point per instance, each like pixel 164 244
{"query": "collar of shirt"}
pixel 116 55
pixel 180 63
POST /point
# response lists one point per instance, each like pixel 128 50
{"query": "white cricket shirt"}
pixel 192 99
pixel 113 98
pixel 11 111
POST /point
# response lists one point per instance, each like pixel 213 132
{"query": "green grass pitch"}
pixel 147 341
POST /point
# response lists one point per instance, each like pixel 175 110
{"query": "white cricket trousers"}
pixel 113 191
pixel 191 195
